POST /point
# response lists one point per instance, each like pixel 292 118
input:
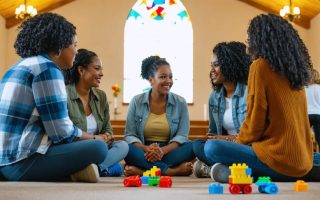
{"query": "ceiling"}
pixel 309 8
pixel 7 8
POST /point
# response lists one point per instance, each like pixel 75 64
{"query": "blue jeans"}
pixel 198 149
pixel 58 163
pixel 183 153
pixel 227 153
pixel 117 151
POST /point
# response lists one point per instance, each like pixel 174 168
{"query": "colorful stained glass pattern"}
pixel 159 10
pixel 164 28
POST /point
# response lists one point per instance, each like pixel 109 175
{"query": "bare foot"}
pixel 130 170
pixel 184 169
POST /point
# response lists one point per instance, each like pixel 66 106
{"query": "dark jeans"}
pixel 315 123
pixel 58 163
pixel 227 153
pixel 183 153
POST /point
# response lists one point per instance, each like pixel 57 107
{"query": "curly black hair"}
pixel 43 33
pixel 83 58
pixel 234 62
pixel 273 38
pixel 315 77
pixel 150 65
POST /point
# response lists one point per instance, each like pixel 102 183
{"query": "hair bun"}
pixel 82 50
pixel 147 64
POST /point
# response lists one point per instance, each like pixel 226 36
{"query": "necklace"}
pixel 85 103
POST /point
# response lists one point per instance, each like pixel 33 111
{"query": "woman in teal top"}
pixel 157 126
pixel 227 102
pixel 89 110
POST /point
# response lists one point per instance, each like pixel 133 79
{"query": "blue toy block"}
pixel 145 180
pixel 215 188
pixel 265 185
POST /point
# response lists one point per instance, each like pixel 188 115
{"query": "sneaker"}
pixel 89 174
pixel 201 170
pixel 115 170
pixel 220 173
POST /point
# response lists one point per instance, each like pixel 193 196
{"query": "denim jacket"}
pixel 177 115
pixel 217 106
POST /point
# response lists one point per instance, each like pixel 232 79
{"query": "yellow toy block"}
pixel 300 186
pixel 239 174
pixel 152 172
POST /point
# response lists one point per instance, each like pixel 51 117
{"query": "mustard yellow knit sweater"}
pixel 277 124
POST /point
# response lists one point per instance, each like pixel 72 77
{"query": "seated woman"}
pixel 227 101
pixel 275 138
pixel 37 136
pixel 89 109
pixel 157 126
pixel 313 102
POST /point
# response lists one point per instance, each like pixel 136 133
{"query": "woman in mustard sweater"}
pixel 275 139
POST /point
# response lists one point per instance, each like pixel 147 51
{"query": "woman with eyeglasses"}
pixel 227 101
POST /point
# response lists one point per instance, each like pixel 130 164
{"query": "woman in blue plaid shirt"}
pixel 36 135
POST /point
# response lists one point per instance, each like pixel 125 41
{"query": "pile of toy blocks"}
pixel 150 177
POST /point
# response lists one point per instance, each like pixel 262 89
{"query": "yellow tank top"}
pixel 157 128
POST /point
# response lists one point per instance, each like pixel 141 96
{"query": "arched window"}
pixel 163 28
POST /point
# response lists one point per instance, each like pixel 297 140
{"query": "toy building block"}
pixel 215 188
pixel 165 181
pixel 240 179
pixel 300 186
pixel 132 181
pixel 153 181
pixel 265 185
pixel 154 171
pixel 145 179
pixel 240 174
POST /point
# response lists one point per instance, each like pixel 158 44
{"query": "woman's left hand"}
pixel 108 138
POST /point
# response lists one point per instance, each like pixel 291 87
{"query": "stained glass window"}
pixel 163 28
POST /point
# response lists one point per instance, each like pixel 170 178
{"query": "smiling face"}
pixel 215 74
pixel 91 75
pixel 162 81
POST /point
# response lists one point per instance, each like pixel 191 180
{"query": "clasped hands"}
pixel 153 152
pixel 106 137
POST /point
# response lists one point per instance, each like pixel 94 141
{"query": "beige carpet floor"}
pixel 184 188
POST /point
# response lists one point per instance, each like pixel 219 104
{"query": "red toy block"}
pixel 165 181
pixel 132 181
pixel 158 173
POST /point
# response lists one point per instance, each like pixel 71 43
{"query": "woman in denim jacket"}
pixel 227 101
pixel 157 126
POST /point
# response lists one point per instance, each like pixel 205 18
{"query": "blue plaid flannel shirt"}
pixel 33 104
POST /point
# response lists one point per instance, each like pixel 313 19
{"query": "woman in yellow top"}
pixel 157 126
pixel 275 139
